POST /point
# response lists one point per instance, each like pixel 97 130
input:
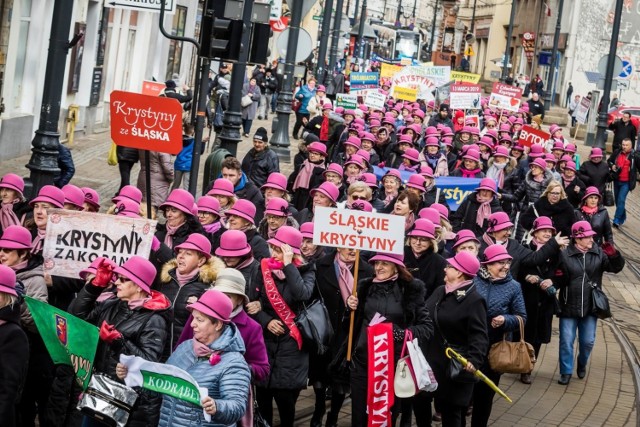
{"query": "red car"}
pixel 617 114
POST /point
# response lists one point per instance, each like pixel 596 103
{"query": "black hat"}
pixel 170 84
pixel 444 107
pixel 261 135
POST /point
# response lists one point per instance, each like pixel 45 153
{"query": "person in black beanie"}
pixel 260 161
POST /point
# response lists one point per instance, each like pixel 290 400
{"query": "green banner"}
pixel 172 386
pixel 69 340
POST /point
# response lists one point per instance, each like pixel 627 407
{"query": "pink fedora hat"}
pixel 209 204
pixel 73 195
pixel 128 208
pixel 464 236
pixel 318 147
pixel 543 223
pixel 465 262
pixel 417 181
pixel 495 253
pixel 361 205
pixel 412 154
pixel 181 200
pixel 539 162
pixel 426 171
pixel 501 152
pixel 15 237
pixel 498 221
pixel 595 152
pixel 287 235
pixel 328 189
pixel 354 141
pixel 197 242
pixel 536 151
pixel 12 182
pixel 397 259
pixel 335 168
pixel 8 280
pixel 91 196
pixel 395 173
pixel 215 304
pixel 221 187
pixel 355 160
pixel 307 230
pixel 278 207
pixel 93 267
pixel 591 191
pixel 431 214
pixel 233 243
pixel 244 209
pixel 581 229
pixel 370 179
pixel 49 194
pixel 571 165
pixel 276 180
pixel 472 155
pixel 487 184
pixel 432 141
pixel 139 270
pixel 423 228
pixel 442 210
pixel 129 192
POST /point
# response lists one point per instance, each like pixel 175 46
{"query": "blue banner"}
pixel 454 188
pixel 359 81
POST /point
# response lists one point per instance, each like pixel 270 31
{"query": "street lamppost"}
pixel 335 38
pixel 433 30
pixel 554 53
pixel 507 51
pixel 324 40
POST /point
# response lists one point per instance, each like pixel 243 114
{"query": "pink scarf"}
pixel 271 233
pixel 538 243
pixel 488 239
pixel 168 238
pixel 213 227
pixel 345 278
pixel 413 168
pixel 589 211
pixel 304 175
pixel 389 197
pixel 276 267
pixel 137 303
pixel 20 266
pixel 244 264
pixel 392 279
pixel 38 241
pixel 183 279
pixel 8 216
pixel 352 179
pixel 201 350
pixel 484 211
pixel 450 288
pixel 408 221
pixel 469 173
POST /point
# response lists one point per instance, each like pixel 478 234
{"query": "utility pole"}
pixel 601 133
pixel 433 30
pixel 335 38
pixel 552 66
pixel 398 12
pixel 507 51
pixel 324 40
pixel 357 9
pixel 360 41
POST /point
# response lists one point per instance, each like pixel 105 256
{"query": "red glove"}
pixel 104 275
pixel 109 333
pixel 609 249
pixel 381 165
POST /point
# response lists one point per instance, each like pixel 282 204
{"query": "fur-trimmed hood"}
pixel 208 272
pixel 511 165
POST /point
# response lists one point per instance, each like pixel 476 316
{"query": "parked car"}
pixel 618 112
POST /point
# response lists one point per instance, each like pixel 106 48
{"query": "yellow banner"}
pixel 388 70
pixel 408 94
pixel 459 76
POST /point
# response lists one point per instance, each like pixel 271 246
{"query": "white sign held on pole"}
pixel 345 228
pixel 169 5
pixel 582 110
pixel 375 100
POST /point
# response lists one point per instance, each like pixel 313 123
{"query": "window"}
pixel 21 55
pixel 175 47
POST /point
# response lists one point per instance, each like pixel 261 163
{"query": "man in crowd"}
pixel 624 166
pixel 260 161
pixel 622 129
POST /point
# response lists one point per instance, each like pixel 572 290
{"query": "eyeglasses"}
pixel 359 198
pixel 420 239
pixel 555 194
pixel 274 218
pixel 122 279
pixel 504 263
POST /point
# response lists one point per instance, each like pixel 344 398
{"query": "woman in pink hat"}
pixel 535 182
pixel 222 190
pixel 276 215
pixel 501 166
pixel 48 197
pixel 235 252
pixel 391 187
pixel 134 322
pixel 471 166
pixel 308 175
pixel 91 200
pixel 241 217
pixel 553 203
pixel 407 205
pixel 185 278
pixel 14 347
pixel 13 206
pixel 325 195
pixel 505 304
pixel 432 156
pixel 466 241
pixel 595 171
pixel 398 297
pixel 581 266
pixel 354 167
pixel 210 218
pixel 284 283
pixel 308 249
pixel 421 255
pixel 335 174
pixel 573 186
pixel 473 213
pixel 368 139
pixel 592 211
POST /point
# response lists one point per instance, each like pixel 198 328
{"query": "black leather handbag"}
pixel 315 325
pixel 609 199
pixel 600 302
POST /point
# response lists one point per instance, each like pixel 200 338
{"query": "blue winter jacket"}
pixel 304 95
pixel 185 156
pixel 227 382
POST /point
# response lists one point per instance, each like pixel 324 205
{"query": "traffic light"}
pixel 259 50
pixel 226 35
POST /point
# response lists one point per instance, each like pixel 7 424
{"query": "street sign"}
pixel 317 17
pixel 602 65
pixel 469 51
pixel 305 44
pixel 593 76
pixel 623 84
pixel 627 70
pixel 169 5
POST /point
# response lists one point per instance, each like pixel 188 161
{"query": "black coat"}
pixel 14 348
pixel 300 197
pixel 429 268
pixel 253 194
pixel 258 245
pixel 429 197
pixel 561 215
pixel 127 154
pixel 144 332
pixel 622 130
pixel 594 174
pixel 523 257
pixel 634 157
pixel 258 165
pixel 165 254
pixel 575 197
pixel 578 270
pixel 66 166
pixel 600 223
pixel 463 319
pixel 465 216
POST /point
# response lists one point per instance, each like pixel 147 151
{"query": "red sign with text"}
pixel 146 122
pixel 530 136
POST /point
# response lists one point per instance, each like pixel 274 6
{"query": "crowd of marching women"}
pixel 228 274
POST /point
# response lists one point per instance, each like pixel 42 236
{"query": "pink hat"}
pixel 181 200
pixel 12 182
pixel 432 141
pixel 209 204
pixel 350 113
pixel 335 168
pixel 397 259
pixel 129 192
pixel 317 147
pixel 91 196
pixel 427 172
pixel 93 267
pixel 244 209
pixel 224 187
pixel 536 151
pixel 543 223
pixel 417 129
pixel 8 280
pixel 215 304
pixel 321 88
pixel 506 138
pixel 570 148
pixel 139 270
pixel 447 141
pixel 368 136
pixel 591 191
pixel 472 154
pixel 494 253
pixel 128 208
pixel 581 229
pixel 50 194
pixel 423 228
pixel 565 158
pixel 539 163
pixel 277 207
pixel 519 121
pixel 327 106
pixel 517 148
pixel 197 242
pixel 505 127
pixel 405 139
pixel 354 141
pixel 364 154
pixel 550 158
pixel 418 113
pixel 571 165
pixel 487 184
pixel 394 173
pixel 276 180
pixel 486 141
pixel 595 152
pixel 339 110
pixel 501 152
pixel 417 181
pixel 465 262
pixel 289 236
pixel 553 128
pixel 370 179
pixel 432 130
pixel 558 145
pixel 498 221
pixel 15 237
pixel 411 154
pixel 233 243
pixel 306 230
pixel 463 236
pixel 328 189
pixel 432 215
pixel 431 104
pixel 73 195
pixel 361 205
pixel 474 130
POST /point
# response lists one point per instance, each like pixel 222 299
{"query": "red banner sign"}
pixel 146 122
pixel 530 136
pixel 380 396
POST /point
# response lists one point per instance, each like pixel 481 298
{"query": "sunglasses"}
pixel 122 279
pixel 359 198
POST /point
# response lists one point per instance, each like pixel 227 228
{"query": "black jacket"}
pixel 577 271
pixel 172 93
pixel 429 268
pixel 144 333
pixel 633 170
pixel 165 254
pixel 536 108
pixel 14 348
pixel 622 130
pixel 66 166
pixel 530 188
pixel 574 197
pixel 258 165
pixel 523 257
pixel 253 194
pixel 594 174
pixel 465 216
pixel 258 245
pixel 127 154
pixel 561 215
pixel 600 223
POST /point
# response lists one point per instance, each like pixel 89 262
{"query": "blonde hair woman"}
pixel 553 203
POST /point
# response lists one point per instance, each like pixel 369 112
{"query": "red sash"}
pixel 380 396
pixel 279 305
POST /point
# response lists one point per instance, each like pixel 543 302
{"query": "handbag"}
pixel 512 357
pixel 600 302
pixel 107 401
pixel 413 372
pixel 315 325
pixel 246 101
pixel 258 419
pixel 112 157
pixel 609 199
